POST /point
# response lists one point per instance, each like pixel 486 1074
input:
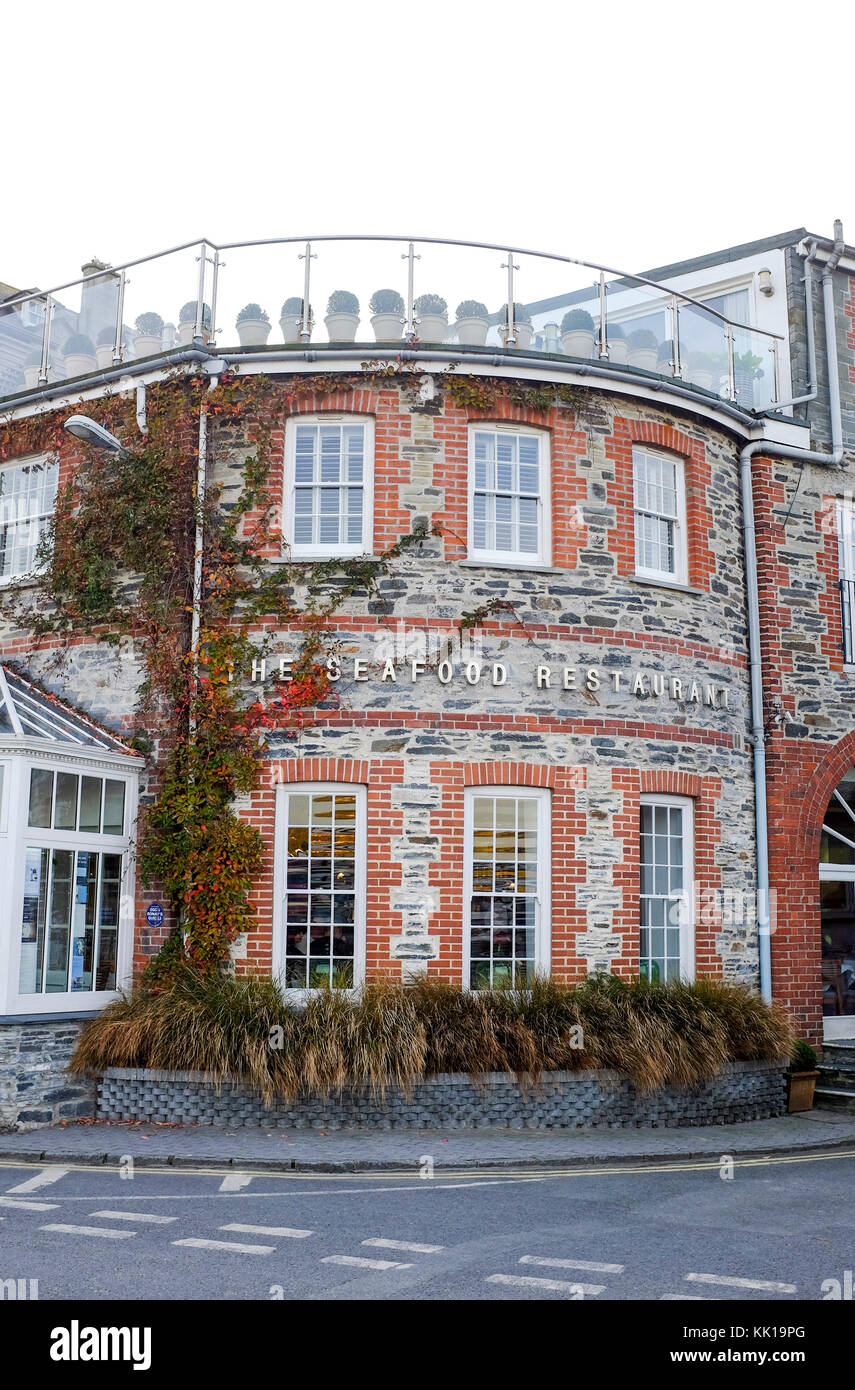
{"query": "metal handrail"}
pixel 659 285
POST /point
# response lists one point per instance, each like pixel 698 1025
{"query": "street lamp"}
pixel 92 433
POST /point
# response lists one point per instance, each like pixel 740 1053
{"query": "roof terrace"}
pixel 345 295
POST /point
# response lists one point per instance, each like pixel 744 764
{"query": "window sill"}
pixel 61 1016
pixel 319 559
pixel 516 565
pixel 665 584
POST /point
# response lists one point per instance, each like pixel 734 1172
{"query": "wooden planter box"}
pixel 800 1088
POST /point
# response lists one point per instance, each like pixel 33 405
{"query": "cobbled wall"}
pixel 35 1088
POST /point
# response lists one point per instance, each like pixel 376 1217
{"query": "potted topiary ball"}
pixel 187 322
pixel 342 318
pixel 387 311
pixel 473 321
pixel 577 333
pixel 149 335
pixel 522 326
pixel 616 339
pixel 701 367
pixel 79 354
pixel 747 368
pixel 801 1078
pixel 104 344
pixel 32 366
pixel 291 320
pixel 431 311
pixel 253 326
pixel 642 349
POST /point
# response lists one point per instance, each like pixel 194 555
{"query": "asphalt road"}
pixel 776 1231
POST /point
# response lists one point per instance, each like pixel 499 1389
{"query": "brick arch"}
pixel 670 782
pixel 319 770
pixel 828 773
pixel 351 402
pixel 662 436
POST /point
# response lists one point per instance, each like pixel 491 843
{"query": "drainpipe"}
pixel 769 447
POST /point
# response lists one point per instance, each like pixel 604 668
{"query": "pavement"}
pixel 353 1150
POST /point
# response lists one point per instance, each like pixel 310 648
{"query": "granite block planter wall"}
pixel 563 1100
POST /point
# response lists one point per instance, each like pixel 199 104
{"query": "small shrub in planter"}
pixel 187 321
pixel 801 1078
pixel 342 318
pixel 79 353
pixel 104 344
pixel 473 322
pixel 642 349
pixel 431 311
pixel 616 339
pixel 291 319
pixel 148 338
pixel 253 326
pixel 522 326
pixel 387 311
pixel 577 333
pixel 31 367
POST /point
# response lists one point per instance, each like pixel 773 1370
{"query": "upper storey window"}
pixel 27 501
pixel 659 497
pixel 329 485
pixel 508 495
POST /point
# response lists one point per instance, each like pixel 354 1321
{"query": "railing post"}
pixel 676 366
pixel 215 275
pixel 200 296
pixel 776 372
pixel 731 372
pixel 410 320
pixel 305 320
pixel 45 362
pixel 604 337
pixel 511 335
pixel 120 313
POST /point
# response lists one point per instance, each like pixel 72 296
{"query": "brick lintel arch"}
pixel 670 782
pixel 828 773
pixel 320 770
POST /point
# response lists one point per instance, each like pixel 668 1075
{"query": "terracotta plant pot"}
pixel 146 345
pixel 387 327
pixel 578 342
pixel 800 1089
pixel 185 333
pixel 290 326
pixel 104 355
pixel 79 364
pixel 432 328
pixel 341 328
pixel 522 333
pixel 253 332
pixel 31 377
pixel 645 358
pixel 472 332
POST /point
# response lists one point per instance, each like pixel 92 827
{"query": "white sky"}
pixel 628 133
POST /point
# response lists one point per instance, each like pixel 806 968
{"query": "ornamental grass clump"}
pixel 392 1034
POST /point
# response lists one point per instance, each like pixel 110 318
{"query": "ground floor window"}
pixel 70 920
pixel 837 901
pixel 323 901
pixel 667 935
pixel 507 887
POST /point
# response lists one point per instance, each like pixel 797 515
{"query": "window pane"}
pixel 59 922
pixel 320 902
pixel 327 458
pixel 661 884
pixel 27 500
pixel 505 497
pixel 114 807
pixel 33 920
pixel 90 804
pixel 503 907
pixel 41 797
pixel 65 806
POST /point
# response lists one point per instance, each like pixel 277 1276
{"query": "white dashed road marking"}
pixel 404 1245
pixel 103 1231
pixel 233 1182
pixel 233 1246
pixel 554 1285
pixel 288 1231
pixel 592 1266
pixel 733 1282
pixel 363 1264
pixel 684 1298
pixel 28 1206
pixel 42 1179
pixel 135 1216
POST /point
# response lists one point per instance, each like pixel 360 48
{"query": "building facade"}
pixel 539 750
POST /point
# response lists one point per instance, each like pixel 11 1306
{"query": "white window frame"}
pixel 687 922
pixel 544 504
pixel 325 552
pixel 280 867
pixel 8 466
pixel 543 902
pixel 14 843
pixel 846 573
pixel 680 573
